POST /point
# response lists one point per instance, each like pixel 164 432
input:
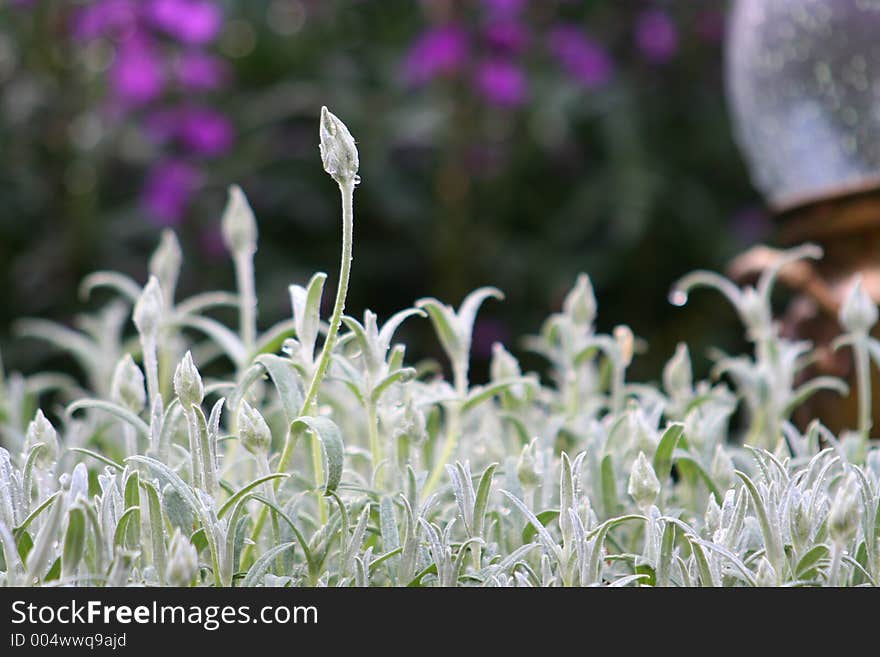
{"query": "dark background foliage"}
pixel 518 176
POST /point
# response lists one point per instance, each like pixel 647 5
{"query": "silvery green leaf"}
pixel 287 382
pixel 261 566
pixel 116 410
pixel 74 541
pixel 331 440
pixel 42 553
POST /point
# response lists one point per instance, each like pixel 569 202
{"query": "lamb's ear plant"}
pixel 319 455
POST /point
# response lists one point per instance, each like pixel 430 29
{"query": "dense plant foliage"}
pixel 318 456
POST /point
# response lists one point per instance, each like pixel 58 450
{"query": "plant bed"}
pixel 317 456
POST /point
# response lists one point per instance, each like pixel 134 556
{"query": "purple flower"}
pixel 656 35
pixel 438 51
pixel 581 57
pixel 200 72
pixel 168 190
pixel 188 21
pixel 501 82
pixel 507 36
pixel 137 76
pixel 116 18
pixel 204 131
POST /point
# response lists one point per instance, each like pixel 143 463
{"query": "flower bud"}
pixel 580 304
pixel 766 575
pixel 40 430
pixel 858 314
pixel 239 227
pixel 148 310
pixel 183 560
pixel 845 513
pixel 188 382
pixel 165 263
pixel 527 466
pixel 623 335
pixel 712 517
pixel 644 487
pixel 411 424
pixel 253 431
pixel 677 374
pixel 503 365
pixel 722 469
pixel 127 385
pixel 338 151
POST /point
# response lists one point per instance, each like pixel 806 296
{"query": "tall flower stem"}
pixel 244 278
pixel 863 380
pixel 452 430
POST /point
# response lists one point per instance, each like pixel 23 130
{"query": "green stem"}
pixel 836 557
pixel 863 377
pixel 460 372
pixel 375 442
pixel 244 278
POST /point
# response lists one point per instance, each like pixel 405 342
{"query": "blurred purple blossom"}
pixel 437 52
pixel 501 82
pixel 197 71
pixel 751 224
pixel 116 18
pixel 656 35
pixel 188 21
pixel 205 131
pixel 168 190
pixel 507 36
pixel 581 57
pixel 137 75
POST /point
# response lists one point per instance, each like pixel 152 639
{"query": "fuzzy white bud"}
pixel 858 314
pixel 338 151
pixel 127 385
pixel 845 513
pixel 239 227
pixel 183 560
pixel 644 487
pixel 148 310
pixel 40 430
pixel 165 263
pixel 678 373
pixel 188 382
pixel 527 466
pixel 253 431
pixel 580 304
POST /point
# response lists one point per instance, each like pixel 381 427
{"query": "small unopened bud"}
pixel 503 365
pixel 858 314
pixel 188 382
pixel 766 575
pixel 127 385
pixel 183 560
pixel 644 487
pixel 801 522
pixel 580 304
pixel 40 430
pixel 338 151
pixel 148 310
pixel 845 513
pixel 753 311
pixel 678 373
pixel 712 517
pixel 411 424
pixel 527 466
pixel 722 468
pixel 253 430
pixel 623 335
pixel 239 227
pixel 165 263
